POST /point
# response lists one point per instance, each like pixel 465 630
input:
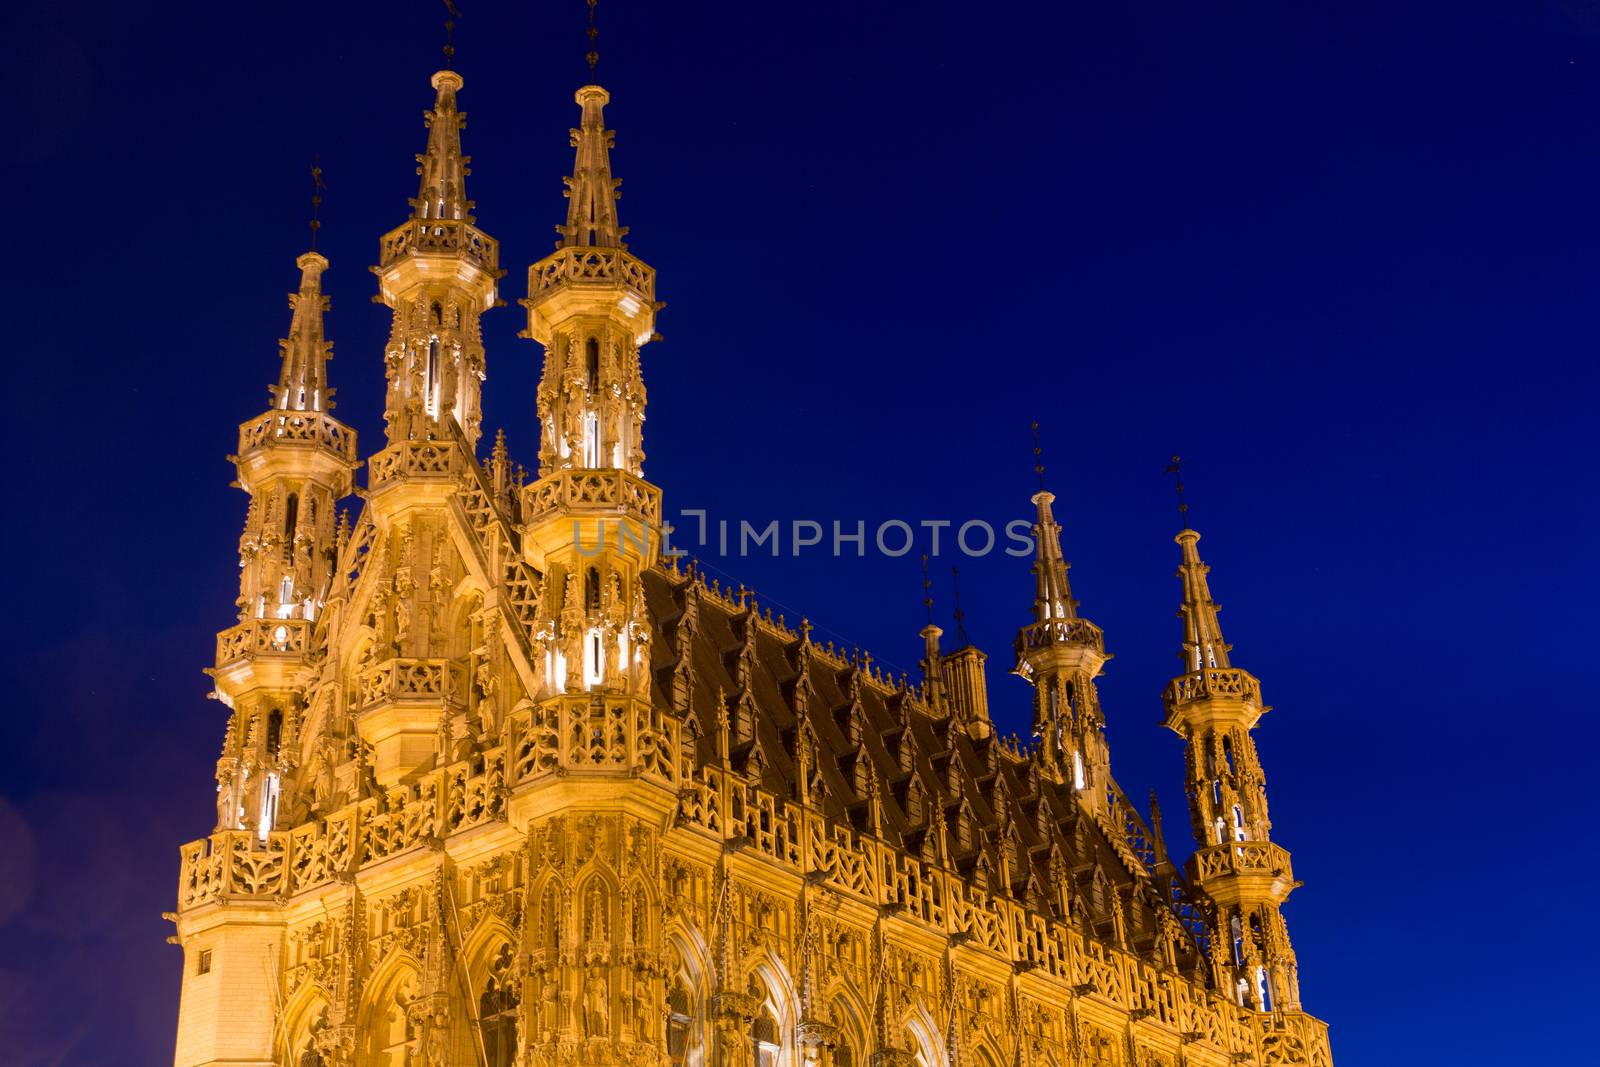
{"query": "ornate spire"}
pixel 439 273
pixel 1060 654
pixel 1214 707
pixel 303 381
pixel 1053 595
pixel 932 660
pixel 592 191
pixel 443 191
pixel 1203 646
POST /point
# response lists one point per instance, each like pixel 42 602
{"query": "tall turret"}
pixel 1214 706
pixel 1061 654
pixel 295 461
pixel 592 521
pixel 438 272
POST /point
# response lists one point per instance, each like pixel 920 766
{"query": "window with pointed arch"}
pixel 680 1020
pixel 765 1040
pixel 850 1042
pixel 497 1011
pixel 391 1035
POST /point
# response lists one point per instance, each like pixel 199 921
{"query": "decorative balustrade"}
pixel 591 266
pixel 1214 682
pixel 439 237
pixel 439 459
pixel 286 638
pixel 432 681
pixel 834 856
pixel 314 428
pixel 1127 829
pixel 1061 632
pixel 596 492
pixel 240 865
pixel 595 732
pixel 1292 1038
pixel 1240 857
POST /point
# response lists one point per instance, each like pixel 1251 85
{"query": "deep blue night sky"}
pixel 1342 257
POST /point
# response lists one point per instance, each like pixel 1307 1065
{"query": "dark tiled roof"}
pixel 885 762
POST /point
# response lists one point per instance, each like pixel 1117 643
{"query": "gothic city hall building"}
pixel 503 784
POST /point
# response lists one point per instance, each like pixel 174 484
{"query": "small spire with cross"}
pixel 1175 468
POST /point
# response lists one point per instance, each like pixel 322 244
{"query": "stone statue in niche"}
pixel 596 1004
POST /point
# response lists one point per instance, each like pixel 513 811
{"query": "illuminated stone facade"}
pixel 487 797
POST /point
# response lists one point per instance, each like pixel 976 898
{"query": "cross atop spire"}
pixel 1203 646
pixel 1038 455
pixel 450 16
pixel 318 187
pixel 442 193
pixel 960 616
pixel 303 381
pixel 591 191
pixel 1175 468
pixel 593 55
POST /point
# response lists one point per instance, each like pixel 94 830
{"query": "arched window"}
pixel 550 918
pixel 497 1012
pixel 591 439
pixel 430 381
pixel 591 590
pixel 1227 753
pixel 591 363
pixel 291 519
pixel 1239 833
pixel 438 314
pixel 680 1016
pixel 764 1038
pixel 274 733
pixel 1236 931
pixel 391 1033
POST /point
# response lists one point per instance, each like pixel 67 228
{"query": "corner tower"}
pixel 1214 706
pixel 591 521
pixel 295 460
pixel 438 272
pixel 1060 654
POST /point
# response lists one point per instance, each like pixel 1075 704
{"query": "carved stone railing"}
pixel 283 638
pixel 440 237
pixel 600 732
pixel 1240 857
pixel 1292 1039
pixel 1214 682
pixel 430 460
pixel 314 428
pixel 430 681
pixel 728 807
pixel 1061 632
pixel 595 492
pixel 1127 830
pixel 591 266
pixel 239 865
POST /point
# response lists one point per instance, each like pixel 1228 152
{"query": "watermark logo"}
pixel 894 538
